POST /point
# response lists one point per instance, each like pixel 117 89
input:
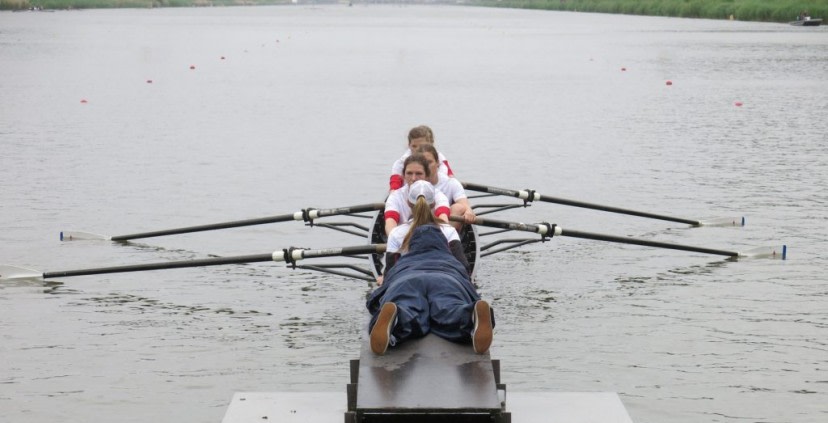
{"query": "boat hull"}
pixel 807 22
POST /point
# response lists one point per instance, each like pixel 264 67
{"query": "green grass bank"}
pixel 743 10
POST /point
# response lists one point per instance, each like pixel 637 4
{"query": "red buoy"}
pixel 149 81
pixel 623 69
pixel 192 67
pixel 83 101
pixel 222 57
pixel 669 82
pixel 738 104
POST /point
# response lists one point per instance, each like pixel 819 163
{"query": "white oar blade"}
pixel 15 272
pixel 723 221
pixel 779 252
pixel 82 236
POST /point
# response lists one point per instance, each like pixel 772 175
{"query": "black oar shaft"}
pixel 201 228
pixel 285 255
pixel 157 266
pixel 308 214
pixel 514 226
pixel 534 196
pixel 546 230
pixel 646 243
pixel 344 251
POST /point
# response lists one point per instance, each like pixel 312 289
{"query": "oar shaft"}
pixel 157 266
pixel 298 254
pixel 646 243
pixel 201 228
pixel 514 226
pixel 285 255
pixel 308 214
pixel 534 196
pixel 546 229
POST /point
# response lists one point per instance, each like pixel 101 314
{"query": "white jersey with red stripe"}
pixel 396 180
pixel 397 208
pixel 397 236
pixel 451 187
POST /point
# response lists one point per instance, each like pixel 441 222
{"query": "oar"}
pixel 289 255
pixel 531 195
pixel 308 215
pixel 547 230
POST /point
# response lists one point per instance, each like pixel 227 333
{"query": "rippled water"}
pixel 294 107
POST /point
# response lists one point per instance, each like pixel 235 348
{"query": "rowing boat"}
pixel 806 22
pixel 429 378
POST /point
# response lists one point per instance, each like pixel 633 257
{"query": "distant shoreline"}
pixel 743 10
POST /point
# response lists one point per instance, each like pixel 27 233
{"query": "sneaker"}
pixel 381 333
pixel 482 333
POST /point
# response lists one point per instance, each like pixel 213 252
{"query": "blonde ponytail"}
pixel 421 214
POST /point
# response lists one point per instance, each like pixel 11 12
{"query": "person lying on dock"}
pixel 451 187
pixel 427 291
pixel 417 136
pixel 397 209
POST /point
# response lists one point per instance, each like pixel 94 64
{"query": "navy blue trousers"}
pixel 430 303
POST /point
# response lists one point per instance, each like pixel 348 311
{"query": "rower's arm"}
pixel 390 261
pixel 395 182
pixel 443 214
pixel 462 207
pixel 456 248
pixel 390 224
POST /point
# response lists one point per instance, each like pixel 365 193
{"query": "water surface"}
pixel 294 107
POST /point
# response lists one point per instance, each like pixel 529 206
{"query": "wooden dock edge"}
pixel 330 407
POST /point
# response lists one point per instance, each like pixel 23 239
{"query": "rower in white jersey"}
pixel 451 187
pixel 417 136
pixel 397 209
pixel 397 246
pixel 397 236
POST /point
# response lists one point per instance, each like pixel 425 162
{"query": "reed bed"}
pixel 743 10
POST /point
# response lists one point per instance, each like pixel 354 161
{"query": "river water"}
pixel 121 121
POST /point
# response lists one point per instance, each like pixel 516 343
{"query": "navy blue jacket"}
pixel 428 254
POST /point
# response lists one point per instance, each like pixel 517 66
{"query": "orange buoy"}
pixel 669 82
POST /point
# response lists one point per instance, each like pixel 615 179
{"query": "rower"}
pixel 399 238
pixel 397 210
pixel 417 136
pixel 451 187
